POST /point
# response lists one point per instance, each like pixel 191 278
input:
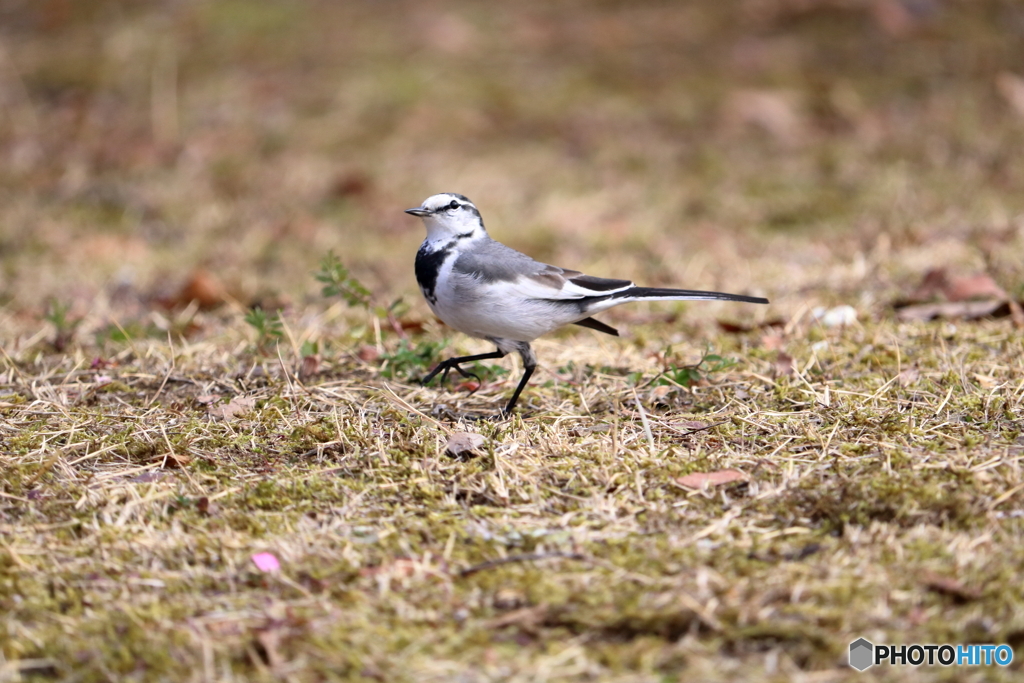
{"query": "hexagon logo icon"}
pixel 862 654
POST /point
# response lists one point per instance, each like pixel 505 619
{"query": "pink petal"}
pixel 266 562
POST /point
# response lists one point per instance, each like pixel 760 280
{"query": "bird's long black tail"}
pixel 664 294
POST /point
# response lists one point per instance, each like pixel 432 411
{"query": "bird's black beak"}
pixel 418 212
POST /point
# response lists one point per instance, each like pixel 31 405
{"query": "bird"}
pixel 487 290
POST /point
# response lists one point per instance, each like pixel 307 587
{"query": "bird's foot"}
pixel 444 368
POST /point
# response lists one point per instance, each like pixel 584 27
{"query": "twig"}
pixel 646 424
pixel 396 326
pixel 696 429
pixel 14 497
pixel 167 376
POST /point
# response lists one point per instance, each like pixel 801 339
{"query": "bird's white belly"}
pixel 496 312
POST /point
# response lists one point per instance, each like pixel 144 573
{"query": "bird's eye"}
pixel 454 205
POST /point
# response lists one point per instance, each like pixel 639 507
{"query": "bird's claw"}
pixel 444 369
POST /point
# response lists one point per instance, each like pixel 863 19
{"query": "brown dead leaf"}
pixel 368 353
pixel 410 325
pixel 206 507
pixel 202 287
pixel 310 366
pixel 949 587
pixel 170 460
pixel 966 297
pixel 931 286
pixel 351 184
pixel 978 286
pixel 699 480
pixel 740 328
pixel 658 394
pixel 938 283
pixel 462 444
pixel 773 342
pixel 732 328
pixel 783 364
pixel 236 406
pixel 954 310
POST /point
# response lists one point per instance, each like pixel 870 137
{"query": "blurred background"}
pixel 814 151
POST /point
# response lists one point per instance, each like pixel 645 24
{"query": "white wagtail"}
pixel 487 290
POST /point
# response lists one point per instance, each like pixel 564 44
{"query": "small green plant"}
pixel 337 281
pixel 268 326
pixel 408 362
pixel 688 375
pixel 64 325
pixel 569 368
pixel 488 373
pixel 310 348
pixel 127 331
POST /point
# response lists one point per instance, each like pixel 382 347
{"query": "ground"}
pixel 217 463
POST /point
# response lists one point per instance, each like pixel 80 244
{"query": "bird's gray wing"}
pixel 493 263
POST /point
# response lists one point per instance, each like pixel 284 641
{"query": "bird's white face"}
pixel 448 216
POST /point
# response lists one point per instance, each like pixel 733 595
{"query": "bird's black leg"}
pixel 529 365
pixel 446 366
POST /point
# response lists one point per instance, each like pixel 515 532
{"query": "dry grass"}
pixel 149 449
